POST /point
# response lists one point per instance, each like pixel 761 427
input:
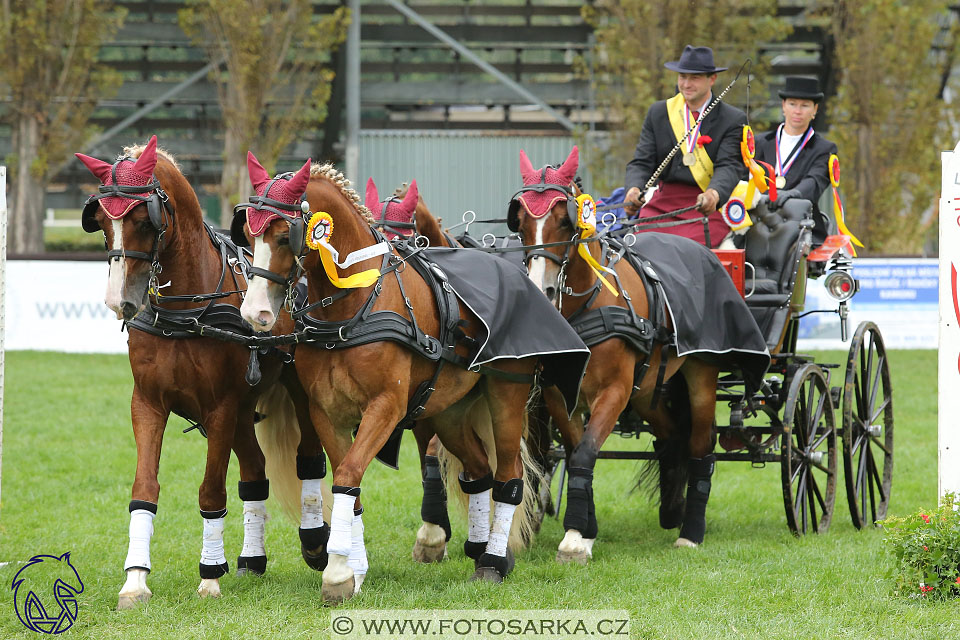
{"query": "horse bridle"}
pixel 513 218
pixel 292 214
pixel 157 202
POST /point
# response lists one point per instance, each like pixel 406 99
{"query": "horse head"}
pixel 395 214
pixel 272 223
pixel 134 209
pixel 544 211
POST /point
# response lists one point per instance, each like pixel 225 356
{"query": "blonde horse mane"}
pixel 334 176
pixel 134 151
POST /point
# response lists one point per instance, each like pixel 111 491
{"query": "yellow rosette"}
pixel 834 171
pixel 319 231
pixel 587 223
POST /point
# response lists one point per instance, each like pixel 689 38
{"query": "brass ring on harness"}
pixel 421 242
pixel 483 240
pixel 612 219
pixel 633 239
pixel 340 333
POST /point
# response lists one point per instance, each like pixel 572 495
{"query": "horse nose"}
pixel 265 318
pixel 551 293
pixel 128 309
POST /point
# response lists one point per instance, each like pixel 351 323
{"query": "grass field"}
pixel 68 463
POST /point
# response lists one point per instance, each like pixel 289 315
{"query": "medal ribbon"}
pixel 784 165
pixel 695 135
pixel 329 258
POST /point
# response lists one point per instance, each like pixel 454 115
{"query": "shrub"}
pixel 926 547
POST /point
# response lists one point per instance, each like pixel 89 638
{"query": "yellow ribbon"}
pixel 586 220
pixel 319 231
pixel 834 171
pixel 703 169
pixel 758 178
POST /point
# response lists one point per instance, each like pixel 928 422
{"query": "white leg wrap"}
pixel 141 530
pixel 254 518
pixel 358 552
pixel 213 542
pixel 500 531
pixel 311 504
pixel 341 525
pixel 479 512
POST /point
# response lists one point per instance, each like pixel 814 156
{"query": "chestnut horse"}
pixel 153 226
pixel 369 387
pixel 545 213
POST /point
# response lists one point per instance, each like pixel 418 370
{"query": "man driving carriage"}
pixel 708 166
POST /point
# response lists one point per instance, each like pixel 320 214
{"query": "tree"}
pixel 50 70
pixel 636 37
pixel 889 118
pixel 274 82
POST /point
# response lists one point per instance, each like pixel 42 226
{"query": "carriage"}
pixel 803 408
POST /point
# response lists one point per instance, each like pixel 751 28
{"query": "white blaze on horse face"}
pixel 117 271
pixel 539 270
pixel 257 308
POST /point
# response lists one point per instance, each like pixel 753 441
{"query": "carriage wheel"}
pixel 808 452
pixel 868 427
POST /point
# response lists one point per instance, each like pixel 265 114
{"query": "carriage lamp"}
pixel 841 285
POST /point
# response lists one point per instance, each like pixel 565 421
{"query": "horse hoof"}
pixel 486 574
pixel 132 601
pixel 683 543
pixel 209 588
pixel 579 556
pixel 429 553
pixel 337 593
pixel 316 559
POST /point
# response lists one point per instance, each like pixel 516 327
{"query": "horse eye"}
pixel 283 240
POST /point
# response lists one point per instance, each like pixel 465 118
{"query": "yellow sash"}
pixel 703 169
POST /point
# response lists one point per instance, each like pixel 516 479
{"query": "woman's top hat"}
pixel 803 88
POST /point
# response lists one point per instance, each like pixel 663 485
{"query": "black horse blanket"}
pixel 518 320
pixel 710 318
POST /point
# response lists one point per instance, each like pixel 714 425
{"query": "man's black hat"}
pixel 695 60
pixel 803 88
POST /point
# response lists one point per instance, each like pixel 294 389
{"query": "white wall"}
pixel 58 306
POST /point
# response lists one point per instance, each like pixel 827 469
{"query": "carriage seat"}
pixel 770 246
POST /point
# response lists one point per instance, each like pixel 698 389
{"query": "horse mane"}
pixel 335 176
pixel 134 151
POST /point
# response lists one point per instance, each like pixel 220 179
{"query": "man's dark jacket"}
pixel 724 125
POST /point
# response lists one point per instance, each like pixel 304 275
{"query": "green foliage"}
pixel 636 37
pixel 50 71
pixel 889 118
pixel 926 548
pixel 275 81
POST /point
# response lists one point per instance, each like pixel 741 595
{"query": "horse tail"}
pixel 527 517
pixel 278 433
pixel 664 478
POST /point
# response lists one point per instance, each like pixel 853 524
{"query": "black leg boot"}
pixel 433 509
pixel 672 501
pixel 698 491
pixel 313 540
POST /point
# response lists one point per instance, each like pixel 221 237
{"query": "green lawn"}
pixel 68 462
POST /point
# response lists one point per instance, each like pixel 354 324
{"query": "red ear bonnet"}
pixel 538 204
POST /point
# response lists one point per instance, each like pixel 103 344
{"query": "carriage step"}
pixel 835 395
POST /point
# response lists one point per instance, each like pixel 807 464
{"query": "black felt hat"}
pixel 803 88
pixel 694 60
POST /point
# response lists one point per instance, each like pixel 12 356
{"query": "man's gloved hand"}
pixel 783 196
pixel 632 200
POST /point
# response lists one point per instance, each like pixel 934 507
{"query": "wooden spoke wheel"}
pixel 867 427
pixel 808 452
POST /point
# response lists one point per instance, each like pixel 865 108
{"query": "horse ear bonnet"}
pixel 513 215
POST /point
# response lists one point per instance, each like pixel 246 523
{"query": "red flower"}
pixel 925 588
pixel 925 548
pixel 958 579
pixel 925 517
pixel 702 140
